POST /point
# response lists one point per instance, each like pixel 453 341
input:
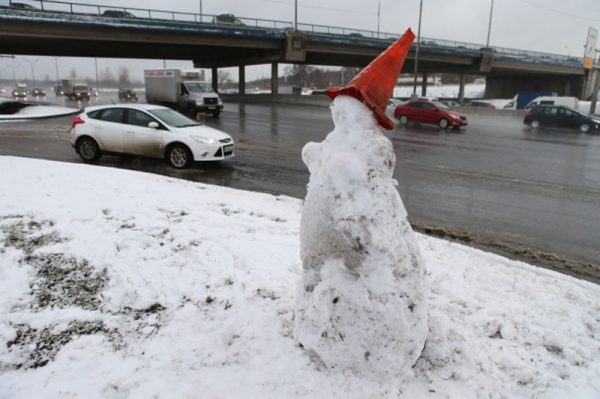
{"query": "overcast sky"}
pixel 554 26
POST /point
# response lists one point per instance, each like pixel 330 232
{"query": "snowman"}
pixel 361 307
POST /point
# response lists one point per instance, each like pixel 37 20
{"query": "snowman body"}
pixel 361 304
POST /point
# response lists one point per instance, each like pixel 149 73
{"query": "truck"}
pixel 523 98
pixel 76 89
pixel 185 91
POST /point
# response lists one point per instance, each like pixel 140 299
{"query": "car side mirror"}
pixel 153 125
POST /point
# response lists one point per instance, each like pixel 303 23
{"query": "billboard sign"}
pixel 590 48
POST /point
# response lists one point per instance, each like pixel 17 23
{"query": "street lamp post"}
pixel 14 68
pixel 56 65
pixel 96 66
pixel 417 52
pixel 200 7
pixel 378 15
pixel 31 62
pixel 487 43
pixel 295 14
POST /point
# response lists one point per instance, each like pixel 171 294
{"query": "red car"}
pixel 429 112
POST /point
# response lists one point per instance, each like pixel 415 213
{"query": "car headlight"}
pixel 205 140
pixel 199 102
pixel 220 102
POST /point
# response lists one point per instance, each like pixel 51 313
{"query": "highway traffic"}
pixel 496 184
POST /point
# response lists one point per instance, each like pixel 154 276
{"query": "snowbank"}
pixel 472 90
pixel 40 111
pixel 124 284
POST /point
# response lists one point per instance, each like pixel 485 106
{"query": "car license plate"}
pixel 212 107
pixel 228 149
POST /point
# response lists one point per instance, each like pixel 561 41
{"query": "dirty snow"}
pixel 123 284
pixel 361 305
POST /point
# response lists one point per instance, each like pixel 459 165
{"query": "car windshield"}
pixel 440 105
pixel 199 87
pixel 172 118
pixel 580 113
pixel 81 88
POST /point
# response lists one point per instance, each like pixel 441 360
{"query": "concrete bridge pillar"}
pixel 461 88
pixel 591 76
pixel 274 78
pixel 215 79
pixel 424 86
pixel 242 79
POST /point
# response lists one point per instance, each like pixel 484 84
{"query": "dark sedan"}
pixel 37 92
pixel 127 95
pixel 561 116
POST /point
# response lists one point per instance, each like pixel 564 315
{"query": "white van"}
pixel 571 102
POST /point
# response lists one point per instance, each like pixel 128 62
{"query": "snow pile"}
pixel 472 90
pixel 40 111
pixel 119 284
pixel 361 303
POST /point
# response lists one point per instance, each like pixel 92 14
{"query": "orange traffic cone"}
pixel 374 85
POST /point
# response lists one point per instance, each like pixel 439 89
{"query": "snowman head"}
pixel 349 114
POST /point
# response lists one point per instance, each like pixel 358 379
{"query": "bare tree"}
pixel 223 77
pixel 124 76
pixel 107 77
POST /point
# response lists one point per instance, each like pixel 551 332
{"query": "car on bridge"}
pixel 118 14
pixel 147 130
pixel 561 116
pixel 23 6
pixel 433 112
pixel 227 19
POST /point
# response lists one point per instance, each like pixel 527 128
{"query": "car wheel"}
pixel 534 124
pixel 403 120
pixel 88 149
pixel 443 123
pixel 584 128
pixel 179 156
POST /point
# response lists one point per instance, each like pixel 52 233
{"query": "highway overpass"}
pixel 70 29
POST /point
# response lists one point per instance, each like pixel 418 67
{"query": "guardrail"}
pixel 71 8
pixel 56 6
pixel 425 41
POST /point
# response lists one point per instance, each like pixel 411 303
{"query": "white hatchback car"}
pixel 147 130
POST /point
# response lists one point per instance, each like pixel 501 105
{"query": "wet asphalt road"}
pixel 532 195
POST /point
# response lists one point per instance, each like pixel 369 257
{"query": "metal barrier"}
pixel 62 7
pixel 55 6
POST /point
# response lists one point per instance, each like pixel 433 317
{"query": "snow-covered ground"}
pixel 122 284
